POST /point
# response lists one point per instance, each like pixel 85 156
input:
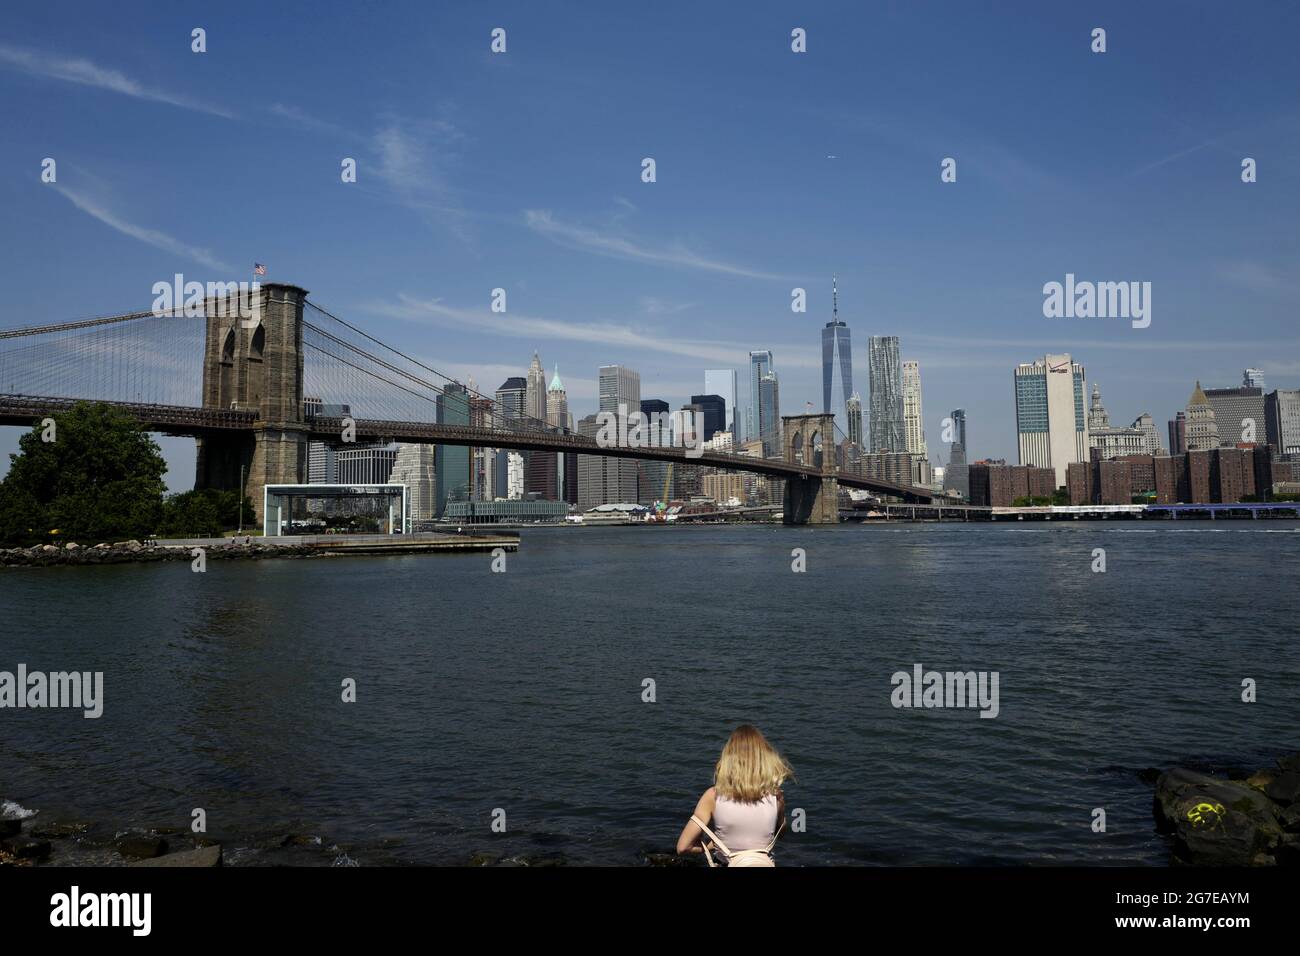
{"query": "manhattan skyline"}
pixel 774 171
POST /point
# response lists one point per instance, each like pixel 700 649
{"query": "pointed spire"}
pixel 556 384
pixel 835 298
pixel 1198 396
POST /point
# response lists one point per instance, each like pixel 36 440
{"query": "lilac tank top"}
pixel 745 826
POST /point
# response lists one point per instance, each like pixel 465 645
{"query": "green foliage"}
pixel 1036 501
pixel 100 479
pixel 202 514
pixel 1060 497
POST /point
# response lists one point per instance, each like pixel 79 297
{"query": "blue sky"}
pixel 522 170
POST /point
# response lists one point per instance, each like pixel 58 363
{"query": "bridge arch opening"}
pixel 796 448
pixel 816 446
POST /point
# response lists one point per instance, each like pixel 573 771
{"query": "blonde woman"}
pixel 745 805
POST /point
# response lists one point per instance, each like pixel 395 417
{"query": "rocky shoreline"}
pixel 1244 819
pixel 127 552
pixel 24 841
pixel 1231 818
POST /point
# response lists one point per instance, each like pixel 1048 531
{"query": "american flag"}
pixel 259 269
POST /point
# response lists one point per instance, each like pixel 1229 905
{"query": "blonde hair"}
pixel 749 768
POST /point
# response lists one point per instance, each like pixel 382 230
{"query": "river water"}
pixel 522 691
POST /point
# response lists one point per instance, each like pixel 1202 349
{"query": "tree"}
pixel 100 479
pixel 202 514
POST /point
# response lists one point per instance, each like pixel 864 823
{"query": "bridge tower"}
pixel 253 360
pixel 810 440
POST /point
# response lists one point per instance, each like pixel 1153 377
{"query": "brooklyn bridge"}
pixel 237 385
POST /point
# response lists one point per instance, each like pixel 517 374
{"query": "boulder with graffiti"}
pixel 1218 822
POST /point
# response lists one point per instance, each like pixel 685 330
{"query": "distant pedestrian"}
pixel 745 805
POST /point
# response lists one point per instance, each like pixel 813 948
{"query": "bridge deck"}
pixel 189 421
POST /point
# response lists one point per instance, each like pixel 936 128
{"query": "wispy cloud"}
pixel 587 239
pixel 155 238
pixel 653 305
pixel 1173 157
pixel 1125 341
pixel 305 121
pixel 1257 277
pixel 533 328
pixel 412 160
pixel 86 73
pixel 978 153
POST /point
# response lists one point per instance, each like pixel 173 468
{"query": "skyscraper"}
pixel 512 397
pixel 1253 378
pixel 1050 421
pixel 835 344
pixel 1202 428
pixel 535 403
pixel 1282 410
pixel 769 408
pixel 482 460
pixel 511 400
pixel 620 395
pixel 956 476
pixel 452 477
pixel 853 407
pixel 913 423
pixel 1238 412
pixel 557 403
pixel 557 415
pixel 760 363
pixel 653 474
pixel 722 381
pixel 957 454
pixel 1178 434
pixel 714 411
pixel 886 418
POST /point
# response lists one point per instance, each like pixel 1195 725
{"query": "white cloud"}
pixel 86 73
pixel 155 238
pixel 533 328
pixel 299 118
pixel 412 159
pixel 586 239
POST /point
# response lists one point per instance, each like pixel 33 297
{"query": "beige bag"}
pixel 739 857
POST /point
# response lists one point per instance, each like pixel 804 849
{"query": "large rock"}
pixel 1284 788
pixel 202 856
pixel 58 830
pixel 141 847
pixel 25 848
pixel 1213 821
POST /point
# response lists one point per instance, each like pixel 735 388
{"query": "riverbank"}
pixel 249 548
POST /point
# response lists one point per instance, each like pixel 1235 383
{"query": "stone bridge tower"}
pixel 253 360
pixel 810 440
